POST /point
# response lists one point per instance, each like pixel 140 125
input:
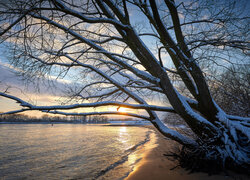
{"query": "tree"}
pixel 231 91
pixel 117 62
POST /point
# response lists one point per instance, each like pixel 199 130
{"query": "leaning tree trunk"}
pixel 221 140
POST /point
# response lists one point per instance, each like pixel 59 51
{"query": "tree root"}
pixel 197 160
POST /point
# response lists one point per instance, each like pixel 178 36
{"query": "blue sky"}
pixel 8 77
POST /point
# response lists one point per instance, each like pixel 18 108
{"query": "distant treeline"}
pixel 53 119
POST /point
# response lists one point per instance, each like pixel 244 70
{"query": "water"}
pixel 70 151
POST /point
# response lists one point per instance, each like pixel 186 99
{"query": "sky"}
pixel 8 78
pixel 18 87
pixel 46 95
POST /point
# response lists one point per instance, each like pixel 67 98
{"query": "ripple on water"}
pixel 63 151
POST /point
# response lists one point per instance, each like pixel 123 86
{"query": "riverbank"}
pixel 155 165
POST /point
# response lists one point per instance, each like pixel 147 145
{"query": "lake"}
pixel 70 151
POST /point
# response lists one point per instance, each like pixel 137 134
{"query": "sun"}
pixel 119 109
pixel 123 110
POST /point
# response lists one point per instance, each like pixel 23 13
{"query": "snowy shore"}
pixel 155 165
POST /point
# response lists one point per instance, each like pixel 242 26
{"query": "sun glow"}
pixel 120 109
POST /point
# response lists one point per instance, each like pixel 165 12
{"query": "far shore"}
pixel 53 122
pixel 156 166
pixel 30 122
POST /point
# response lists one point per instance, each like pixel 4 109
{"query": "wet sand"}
pixel 156 166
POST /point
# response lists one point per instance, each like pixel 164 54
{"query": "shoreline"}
pixel 154 165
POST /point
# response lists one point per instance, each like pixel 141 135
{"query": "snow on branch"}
pixel 238 118
pixel 86 105
pixel 144 75
pixel 18 100
pixel 65 9
pixel 14 112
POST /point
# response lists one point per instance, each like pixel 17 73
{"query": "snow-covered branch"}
pixel 136 71
pixel 87 105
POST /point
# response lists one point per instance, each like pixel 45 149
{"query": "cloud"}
pixel 47 85
pixel 44 95
pixel 7 75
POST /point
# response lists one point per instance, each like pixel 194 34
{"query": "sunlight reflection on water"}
pixel 63 151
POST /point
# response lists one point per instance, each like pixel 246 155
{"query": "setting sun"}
pixel 119 109
pixel 122 109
